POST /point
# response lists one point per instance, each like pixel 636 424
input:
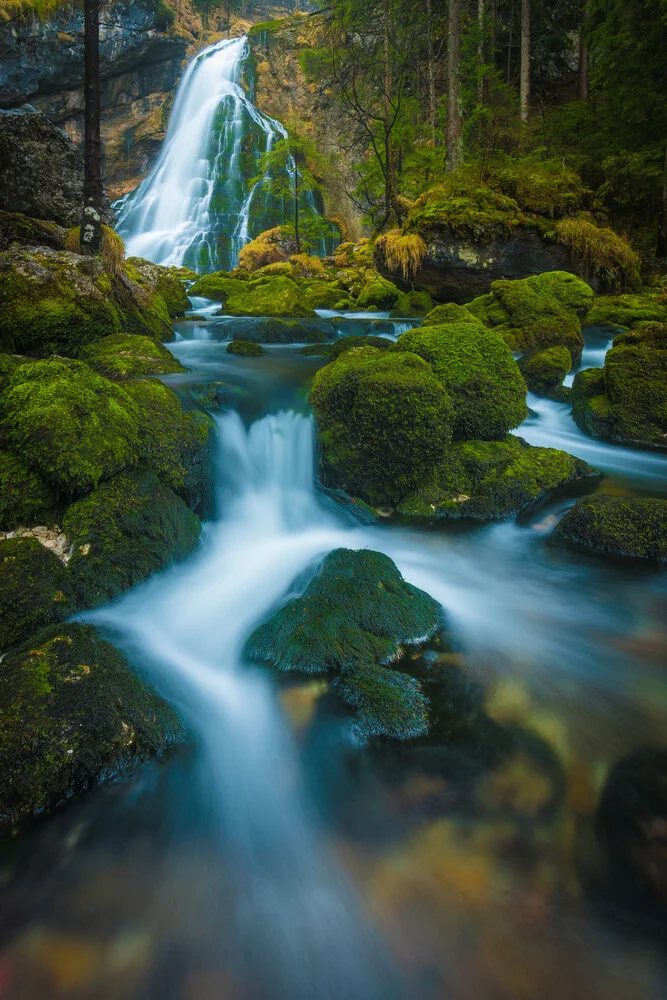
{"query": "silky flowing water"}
pixel 272 857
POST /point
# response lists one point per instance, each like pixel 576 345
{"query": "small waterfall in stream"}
pixel 203 199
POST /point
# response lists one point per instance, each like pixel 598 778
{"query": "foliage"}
pixel 112 250
pixel 607 255
pixel 403 252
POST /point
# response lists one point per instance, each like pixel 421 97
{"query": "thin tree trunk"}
pixel 508 78
pixel 91 224
pixel 524 82
pixel 389 181
pixel 481 28
pixel 662 224
pixel 454 126
pixel 582 68
pixel 432 99
pixel 296 207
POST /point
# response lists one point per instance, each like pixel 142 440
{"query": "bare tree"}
pixel 454 130
pixel 524 79
pixel 91 225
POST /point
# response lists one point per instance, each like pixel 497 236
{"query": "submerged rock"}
pixel 72 714
pixel 33 590
pixel 627 399
pixel 127 529
pixel 284 331
pixel 351 620
pixel 620 526
pixel 545 370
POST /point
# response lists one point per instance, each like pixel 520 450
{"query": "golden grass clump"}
pixel 607 254
pixel 112 251
pixel 403 252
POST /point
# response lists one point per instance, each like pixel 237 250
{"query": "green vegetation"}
pixel 450 312
pixel 544 371
pixel 122 356
pixel 33 590
pixel 72 714
pixel 647 305
pixel 620 526
pixel 245 348
pixel 607 255
pixel 25 498
pixel 477 370
pixel 346 343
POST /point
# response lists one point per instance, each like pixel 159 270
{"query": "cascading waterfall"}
pixel 203 200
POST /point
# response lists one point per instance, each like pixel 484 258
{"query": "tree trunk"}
pixel 454 127
pixel 296 207
pixel 582 68
pixel 524 83
pixel 662 224
pixel 432 98
pixel 481 28
pixel 389 181
pixel 91 224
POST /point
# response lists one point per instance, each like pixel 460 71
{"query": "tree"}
pixel 93 192
pixel 524 82
pixel 288 172
pixel 432 96
pixel 454 128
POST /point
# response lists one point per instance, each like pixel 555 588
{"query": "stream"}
pixel 270 858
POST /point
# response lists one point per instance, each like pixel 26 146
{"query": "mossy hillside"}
pixel 70 424
pixel 491 480
pixel 25 498
pixel 176 444
pixel 127 529
pixel 646 305
pixel 72 714
pixel 622 526
pixel 245 349
pixel 544 371
pixel 627 399
pixel 126 355
pixel 384 421
pixel 544 310
pixel 33 590
pixel 477 369
pixel 351 621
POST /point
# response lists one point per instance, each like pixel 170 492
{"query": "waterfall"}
pixel 203 199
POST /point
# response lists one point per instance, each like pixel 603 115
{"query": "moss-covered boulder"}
pixel 15 227
pixel 25 498
pixel 627 399
pixel 70 424
pixel 450 312
pixel 344 344
pixel 270 247
pixel 351 622
pixel 8 365
pixel 127 529
pixel 491 480
pixel 285 331
pixel 544 371
pixel 175 443
pixel 245 348
pixel 413 303
pixel 326 295
pixel 646 305
pixel 127 355
pixel 379 294
pixel 165 281
pixel 620 526
pixel 384 422
pixel 72 714
pixel 33 590
pixel 541 311
pixel 58 301
pixel 279 296
pixel 478 371
pixel 218 286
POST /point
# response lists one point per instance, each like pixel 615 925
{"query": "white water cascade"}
pixel 195 206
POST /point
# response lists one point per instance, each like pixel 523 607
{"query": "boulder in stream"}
pixel 619 526
pixel 34 585
pixel 545 370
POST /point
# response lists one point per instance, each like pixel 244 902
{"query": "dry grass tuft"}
pixel 403 252
pixel 112 252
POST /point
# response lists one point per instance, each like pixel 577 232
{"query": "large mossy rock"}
pixel 541 311
pixel 284 331
pixel 477 369
pixel 126 355
pixel 270 247
pixel 384 421
pixel 25 497
pixel 491 480
pixel 620 526
pixel 544 371
pixel 165 281
pixel 69 423
pixel 379 293
pixel 268 296
pixel 127 529
pixel 627 399
pixel 33 590
pixel 72 714
pixel 646 305
pixel 218 286
pixel 245 348
pixel 351 622
pixel 57 302
pixel 412 304
pixel 449 312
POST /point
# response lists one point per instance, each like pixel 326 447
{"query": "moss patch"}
pixel 648 305
pixel 125 355
pixel 450 312
pixel 378 293
pixel 621 526
pixel 25 498
pixel 544 371
pixel 245 348
pixel 33 590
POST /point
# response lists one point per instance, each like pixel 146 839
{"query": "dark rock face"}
pixel 457 269
pixel 41 171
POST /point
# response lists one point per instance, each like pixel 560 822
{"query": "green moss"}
pixel 621 526
pixel 544 310
pixel 167 282
pixel 627 399
pixel 450 312
pixel 384 422
pixel 25 499
pixel 344 344
pixel 491 480
pixel 216 395
pixel 324 295
pixel 33 590
pixel 284 331
pixel 125 355
pixel 644 306
pixel 268 297
pixel 218 286
pixel 544 186
pixel 479 373
pixel 317 350
pixel 69 423
pixel 127 529
pixel 465 207
pixel 380 293
pixel 412 303
pixel 545 370
pixel 607 256
pixel 174 443
pixel 18 228
pixel 387 703
pixel 8 365
pixel 72 714
pixel 245 348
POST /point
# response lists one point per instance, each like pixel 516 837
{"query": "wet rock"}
pixel 545 370
pixel 33 590
pixel 621 526
pixel 25 496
